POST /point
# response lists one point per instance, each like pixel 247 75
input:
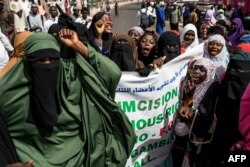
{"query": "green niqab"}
pixel 91 130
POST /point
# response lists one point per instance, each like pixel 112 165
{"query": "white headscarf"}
pixel 138 29
pixel 185 30
pixel 221 60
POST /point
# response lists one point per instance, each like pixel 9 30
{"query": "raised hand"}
pixel 100 25
pixel 69 37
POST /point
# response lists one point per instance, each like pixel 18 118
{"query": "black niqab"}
pixel 168 38
pixel 122 55
pixel 44 100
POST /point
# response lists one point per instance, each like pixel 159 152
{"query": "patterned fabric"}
pixel 203 86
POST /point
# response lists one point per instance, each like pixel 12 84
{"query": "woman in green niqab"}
pixel 61 112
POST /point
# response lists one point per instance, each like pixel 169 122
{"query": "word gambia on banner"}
pixel 150 104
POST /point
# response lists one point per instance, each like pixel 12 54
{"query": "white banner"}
pixel 150 104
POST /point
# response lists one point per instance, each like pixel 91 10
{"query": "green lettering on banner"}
pixel 157 103
pixel 140 105
pixel 141 138
pixel 127 106
pixel 143 149
pixel 134 153
pixel 144 161
pixel 144 105
pixel 169 95
pixel 159 119
pixel 162 143
pixel 151 146
pixel 142 123
pixel 171 110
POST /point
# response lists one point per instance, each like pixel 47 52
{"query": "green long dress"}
pixel 91 130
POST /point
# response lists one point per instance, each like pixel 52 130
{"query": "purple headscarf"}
pixel 209 16
pixel 235 35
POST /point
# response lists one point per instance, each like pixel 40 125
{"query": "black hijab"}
pixel 169 38
pixel 123 53
pixel 232 87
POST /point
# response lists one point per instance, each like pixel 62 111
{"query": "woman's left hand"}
pixel 186 112
pixel 69 38
pixel 158 63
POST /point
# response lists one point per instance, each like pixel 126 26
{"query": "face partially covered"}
pixel 214 47
pixel 108 23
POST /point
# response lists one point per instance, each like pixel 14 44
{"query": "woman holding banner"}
pixel 191 125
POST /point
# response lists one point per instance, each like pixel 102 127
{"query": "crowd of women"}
pixel 57 93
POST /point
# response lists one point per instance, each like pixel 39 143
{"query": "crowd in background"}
pixel 212 118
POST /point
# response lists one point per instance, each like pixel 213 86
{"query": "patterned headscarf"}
pixel 220 60
pixel 201 88
pixel 187 28
pixel 233 37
